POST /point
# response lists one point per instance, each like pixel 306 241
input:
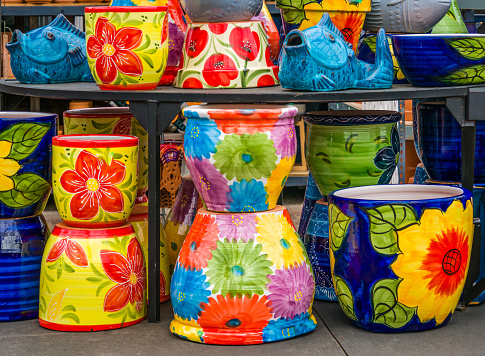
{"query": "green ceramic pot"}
pixel 352 148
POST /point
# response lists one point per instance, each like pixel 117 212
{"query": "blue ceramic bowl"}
pixel 21 248
pixel 25 162
pixel 441 59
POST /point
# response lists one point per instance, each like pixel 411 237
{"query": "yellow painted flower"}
pixel 175 234
pixel 434 261
pixel 8 167
pixel 187 329
pixel 278 178
pixel 279 240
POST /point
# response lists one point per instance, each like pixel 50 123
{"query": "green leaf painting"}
pixel 387 309
pixel 24 137
pixel 465 76
pixel 293 10
pixel 345 297
pixel 339 223
pixel 28 189
pixel 470 48
pixel 385 221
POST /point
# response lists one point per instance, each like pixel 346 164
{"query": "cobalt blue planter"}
pixel 420 176
pixel 312 194
pixel 399 254
pixel 21 247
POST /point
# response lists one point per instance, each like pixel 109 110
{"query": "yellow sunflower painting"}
pixel 278 178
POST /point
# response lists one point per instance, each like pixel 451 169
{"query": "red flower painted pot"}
pixel 94 179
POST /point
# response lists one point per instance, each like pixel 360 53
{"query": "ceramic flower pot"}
pixel 226 55
pixel 399 254
pixel 221 10
pixel 95 179
pixel 348 16
pixel 479 212
pixel 420 176
pixel 242 279
pixel 271 30
pixel 352 148
pixel 127 46
pixel 21 247
pixel 171 157
pixel 239 156
pixel 92 279
pixel 312 194
pixel 25 162
pixel 452 22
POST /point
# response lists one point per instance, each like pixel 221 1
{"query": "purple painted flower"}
pixel 291 291
pixel 186 202
pixel 237 226
pixel 284 138
pixel 175 44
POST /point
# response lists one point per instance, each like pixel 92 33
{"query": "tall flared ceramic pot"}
pixel 242 279
pixel 92 279
pixel 349 148
pixel 25 162
pixel 21 246
pixel 400 253
pixel 312 194
pixel 240 156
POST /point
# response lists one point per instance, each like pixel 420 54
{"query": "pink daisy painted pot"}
pixel 240 156
pixel 242 279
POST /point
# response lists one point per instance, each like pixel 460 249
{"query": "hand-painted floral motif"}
pixel 350 24
pixel 242 319
pixel 188 329
pixel 219 70
pixel 236 227
pixel 129 274
pixel 8 167
pixel 74 251
pixel 201 139
pixel 195 42
pixel 188 290
pixel 192 83
pixel 112 50
pixel 218 28
pixel 247 196
pixel 387 158
pixel 93 185
pixel 175 234
pixel 278 178
pixel 245 43
pixel 123 126
pixel 284 138
pixel 227 124
pixel 282 328
pixel 55 306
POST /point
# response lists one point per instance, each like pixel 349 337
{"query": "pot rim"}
pixel 94 141
pixel 19 115
pixel 63 230
pixel 351 117
pixel 107 112
pixel 276 209
pixel 437 36
pixel 241 111
pixel 100 9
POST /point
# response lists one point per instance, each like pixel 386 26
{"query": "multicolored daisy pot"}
pixel 227 55
pixel 221 10
pixel 399 254
pixel 347 15
pixel 92 279
pixel 21 246
pixel 25 162
pixel 240 156
pixel 95 179
pixel 352 148
pixel 242 278
pixel 312 194
pixel 127 46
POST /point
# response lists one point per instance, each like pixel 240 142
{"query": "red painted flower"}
pixel 93 184
pixel 164 29
pixel 245 43
pixel 162 285
pixel 270 63
pixel 266 81
pixel 129 275
pixel 219 70
pixel 74 251
pixel 123 126
pixel 112 50
pixel 192 83
pixel 287 216
pixel 218 28
pixel 196 41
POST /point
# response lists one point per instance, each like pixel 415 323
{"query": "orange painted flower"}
pixel 243 121
pixel 74 251
pixel 350 24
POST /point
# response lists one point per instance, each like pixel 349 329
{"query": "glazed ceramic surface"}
pixel 240 156
pixel 94 179
pixel 452 22
pixel 127 46
pixel 55 53
pixel 348 16
pixel 221 10
pixel 312 194
pixel 271 30
pixel 226 55
pixel 21 247
pixel 242 279
pixel 319 59
pixel 479 212
pixel 399 254
pixel 352 148
pixel 171 157
pixel 420 176
pixel 405 16
pixel 25 162
pixel 92 279
pixel 441 59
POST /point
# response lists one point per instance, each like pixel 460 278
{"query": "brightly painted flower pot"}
pixel 399 254
pixel 25 162
pixel 242 279
pixel 95 179
pixel 127 46
pixel 352 148
pixel 226 55
pixel 240 156
pixel 221 10
pixel 92 279
pixel 452 22
pixel 348 16
pixel 21 246
pixel 312 194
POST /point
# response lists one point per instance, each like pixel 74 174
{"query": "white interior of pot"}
pixel 96 138
pixel 5 115
pixel 399 192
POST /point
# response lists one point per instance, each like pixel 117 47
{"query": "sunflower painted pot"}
pixel 399 254
pixel 312 194
pixel 127 46
pixel 95 179
pixel 21 247
pixel 25 162
pixel 242 279
pixel 350 148
pixel 226 55
pixel 92 279
pixel 347 15
pixel 239 156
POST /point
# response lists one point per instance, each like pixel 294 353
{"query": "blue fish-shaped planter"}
pixel 319 59
pixel 55 53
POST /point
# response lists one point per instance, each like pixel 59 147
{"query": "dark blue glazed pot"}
pixel 25 162
pixel 420 176
pixel 312 194
pixel 21 247
pixel 399 254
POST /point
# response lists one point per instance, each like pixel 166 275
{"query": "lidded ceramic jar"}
pixel 221 10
